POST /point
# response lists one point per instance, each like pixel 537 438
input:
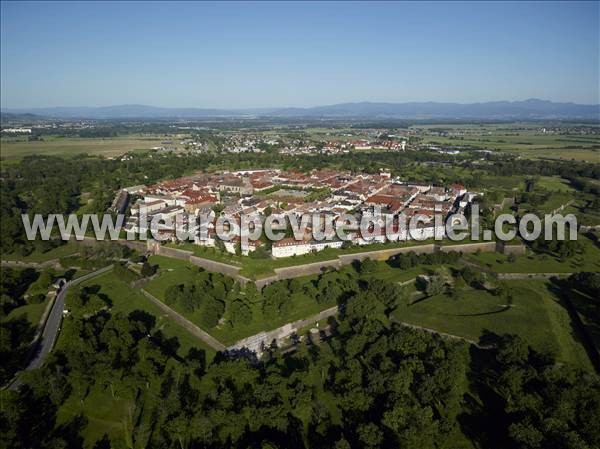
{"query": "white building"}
pixel 290 247
pixel 17 130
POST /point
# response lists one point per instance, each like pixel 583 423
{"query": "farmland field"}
pixel 70 146
pixel 526 140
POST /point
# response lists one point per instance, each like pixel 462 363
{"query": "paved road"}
pixel 52 326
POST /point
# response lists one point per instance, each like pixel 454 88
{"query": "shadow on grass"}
pixel 586 334
pixel 493 312
pixel 483 419
pixel 504 308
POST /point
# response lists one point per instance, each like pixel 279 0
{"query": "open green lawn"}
pixel 505 183
pixel 555 201
pixel 37 257
pixel 32 312
pixel 555 184
pixel 105 415
pixel 302 307
pixel 69 146
pixel 209 253
pixel 535 314
pixel 171 272
pixel 384 272
pixel 589 260
pixel 86 205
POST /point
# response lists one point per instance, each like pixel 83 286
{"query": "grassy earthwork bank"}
pixel 40 257
pixel 531 310
pixel 588 259
pixel 175 272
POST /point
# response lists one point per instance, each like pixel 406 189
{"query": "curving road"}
pixel 52 326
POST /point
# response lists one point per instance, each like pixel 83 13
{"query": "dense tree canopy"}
pixel 374 384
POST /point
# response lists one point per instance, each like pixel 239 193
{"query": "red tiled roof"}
pixel 289 241
pixel 260 184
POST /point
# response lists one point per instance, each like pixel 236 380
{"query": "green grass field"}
pixel 504 183
pixel 69 146
pixel 589 260
pixel 592 154
pixel 172 272
pixel 554 202
pixel 535 314
pixel 32 312
pixel 105 415
pixel 303 307
pixel 37 257
pixel 555 184
pixel 384 272
pixel 525 140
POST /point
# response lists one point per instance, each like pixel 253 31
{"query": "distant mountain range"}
pixel 528 109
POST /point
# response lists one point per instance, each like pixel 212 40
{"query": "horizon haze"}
pixel 527 109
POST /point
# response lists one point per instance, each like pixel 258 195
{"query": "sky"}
pixel 271 54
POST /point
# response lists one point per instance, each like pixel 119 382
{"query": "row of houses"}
pixel 280 194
